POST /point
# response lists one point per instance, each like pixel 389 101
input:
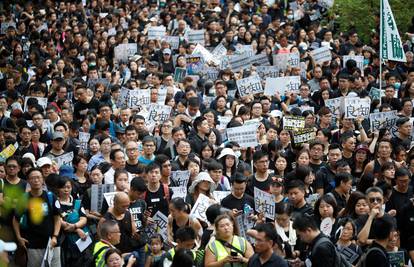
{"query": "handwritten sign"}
pixel 355 106
pixel 208 57
pixel 396 258
pixel 179 74
pixel 179 191
pixel 109 198
pixel 180 178
pixel 264 202
pixel 156 32
pixel 200 207
pixel 139 98
pixel 284 61
pixel 383 120
pixel 220 195
pixel 321 55
pixel 239 62
pixel 161 220
pixel 196 36
pixel 281 85
pixel 260 59
pixel 219 51
pixel 158 113
pixel 249 86
pixel 83 139
pixel 124 51
pixel 245 136
pixel 335 105
pixel 97 195
pixel 303 136
pixel 293 122
pixel 65 159
pixel 267 71
pixel 174 41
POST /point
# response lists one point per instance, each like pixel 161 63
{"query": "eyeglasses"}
pixel 375 199
pixel 12 166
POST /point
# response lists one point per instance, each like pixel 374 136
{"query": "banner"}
pixel 264 202
pixel 390 41
pixel 321 55
pixel 139 98
pixel 281 85
pixel 383 120
pixel 303 136
pixel 245 136
pixel 124 51
pixel 284 61
pixel 180 178
pixel 200 207
pixel 293 123
pixel 249 86
pixel 355 106
pixel 156 33
pixel 196 36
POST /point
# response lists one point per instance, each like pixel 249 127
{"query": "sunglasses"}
pixel 375 199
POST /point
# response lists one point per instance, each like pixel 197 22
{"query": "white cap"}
pixel 7 246
pixel 31 157
pixel 43 161
pixel 276 113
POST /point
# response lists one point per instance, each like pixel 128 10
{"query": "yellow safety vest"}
pixel 99 253
pixel 220 251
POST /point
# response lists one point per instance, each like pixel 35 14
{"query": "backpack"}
pixel 362 261
pixel 340 260
pixel 166 193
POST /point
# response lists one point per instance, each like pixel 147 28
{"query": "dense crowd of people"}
pixel 118 148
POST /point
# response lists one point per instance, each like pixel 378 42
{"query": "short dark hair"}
pixel 303 221
pixel 152 166
pixel 295 184
pixel 342 177
pixel 113 153
pixel 334 146
pixel 258 155
pixel 138 184
pixel 382 227
pixel 198 121
pixel 374 189
pixel 238 178
pixel 400 172
pixel 185 234
pixel 269 230
pixel 214 165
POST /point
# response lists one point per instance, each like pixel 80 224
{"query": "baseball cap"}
pixel 7 246
pixel 167 51
pixel 67 171
pixel 43 161
pixel 57 135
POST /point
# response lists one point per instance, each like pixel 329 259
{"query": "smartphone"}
pixel 233 254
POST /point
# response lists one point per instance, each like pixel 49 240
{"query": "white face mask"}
pixel 238 154
pixel 290 16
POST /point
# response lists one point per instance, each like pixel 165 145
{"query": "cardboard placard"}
pixel 264 202
pixel 249 86
pixel 383 120
pixel 245 136
pixel 281 85
pixel 321 55
pixel 355 106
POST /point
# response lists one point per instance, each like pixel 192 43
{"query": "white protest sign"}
pixel 174 41
pixel 48 256
pixel 239 62
pixel 158 113
pixel 326 226
pixel 180 178
pixel 383 120
pixel 45 126
pixel 284 61
pixel 223 121
pixel 219 51
pixel 83 139
pixel 208 57
pixel 200 207
pixel 355 106
pixel 162 95
pixel 156 32
pixel 161 220
pixel 267 71
pixel 211 72
pixel 84 244
pixel 112 31
pixel 139 98
pixel 264 202
pixel 260 59
pixel 281 85
pixel 293 122
pixel 65 159
pixel 335 105
pixel 321 55
pixel 358 59
pixel 109 198
pixel 124 51
pixel 219 195
pixel 97 197
pixel 179 191
pixel 249 86
pixel 41 100
pixel 196 36
pixel 245 136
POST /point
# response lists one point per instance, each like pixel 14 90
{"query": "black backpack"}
pixel 362 262
pixel 340 260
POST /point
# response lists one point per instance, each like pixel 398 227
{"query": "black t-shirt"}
pixel 157 201
pixel 262 185
pixel 231 202
pixel 325 179
pixel 131 168
pixel 137 209
pixel 360 222
pixel 38 233
pixel 398 200
pixel 378 257
pixel 9 191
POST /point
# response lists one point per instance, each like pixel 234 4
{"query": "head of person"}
pixel 164 161
pixel 383 228
pixel 149 145
pixel 296 192
pixel 121 180
pixel 375 196
pixel 121 202
pixel 225 227
pixel 113 258
pixel 402 179
pixel 343 181
pixel 306 228
pixel 117 157
pixel 63 187
pixel 348 230
pixel 153 172
pixel 183 257
pixel 156 243
pixel 261 161
pixel 283 212
pixel 109 231
pixel 137 188
pixel 183 147
pixel 334 154
pixel 178 208
pixel 239 183
pixel 96 176
pixel 215 170
pixel 265 238
pixel 185 237
pixel 12 166
pixel 326 207
pixel 35 179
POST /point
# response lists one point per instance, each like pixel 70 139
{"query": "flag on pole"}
pixel 391 45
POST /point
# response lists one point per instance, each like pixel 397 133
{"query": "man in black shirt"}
pixel 158 195
pixel 316 149
pixel 261 179
pixel 401 193
pixel 325 177
pixel 201 128
pixel 343 185
pixel 266 237
pixel 296 194
pixel 322 252
pixel 237 199
pixel 403 136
